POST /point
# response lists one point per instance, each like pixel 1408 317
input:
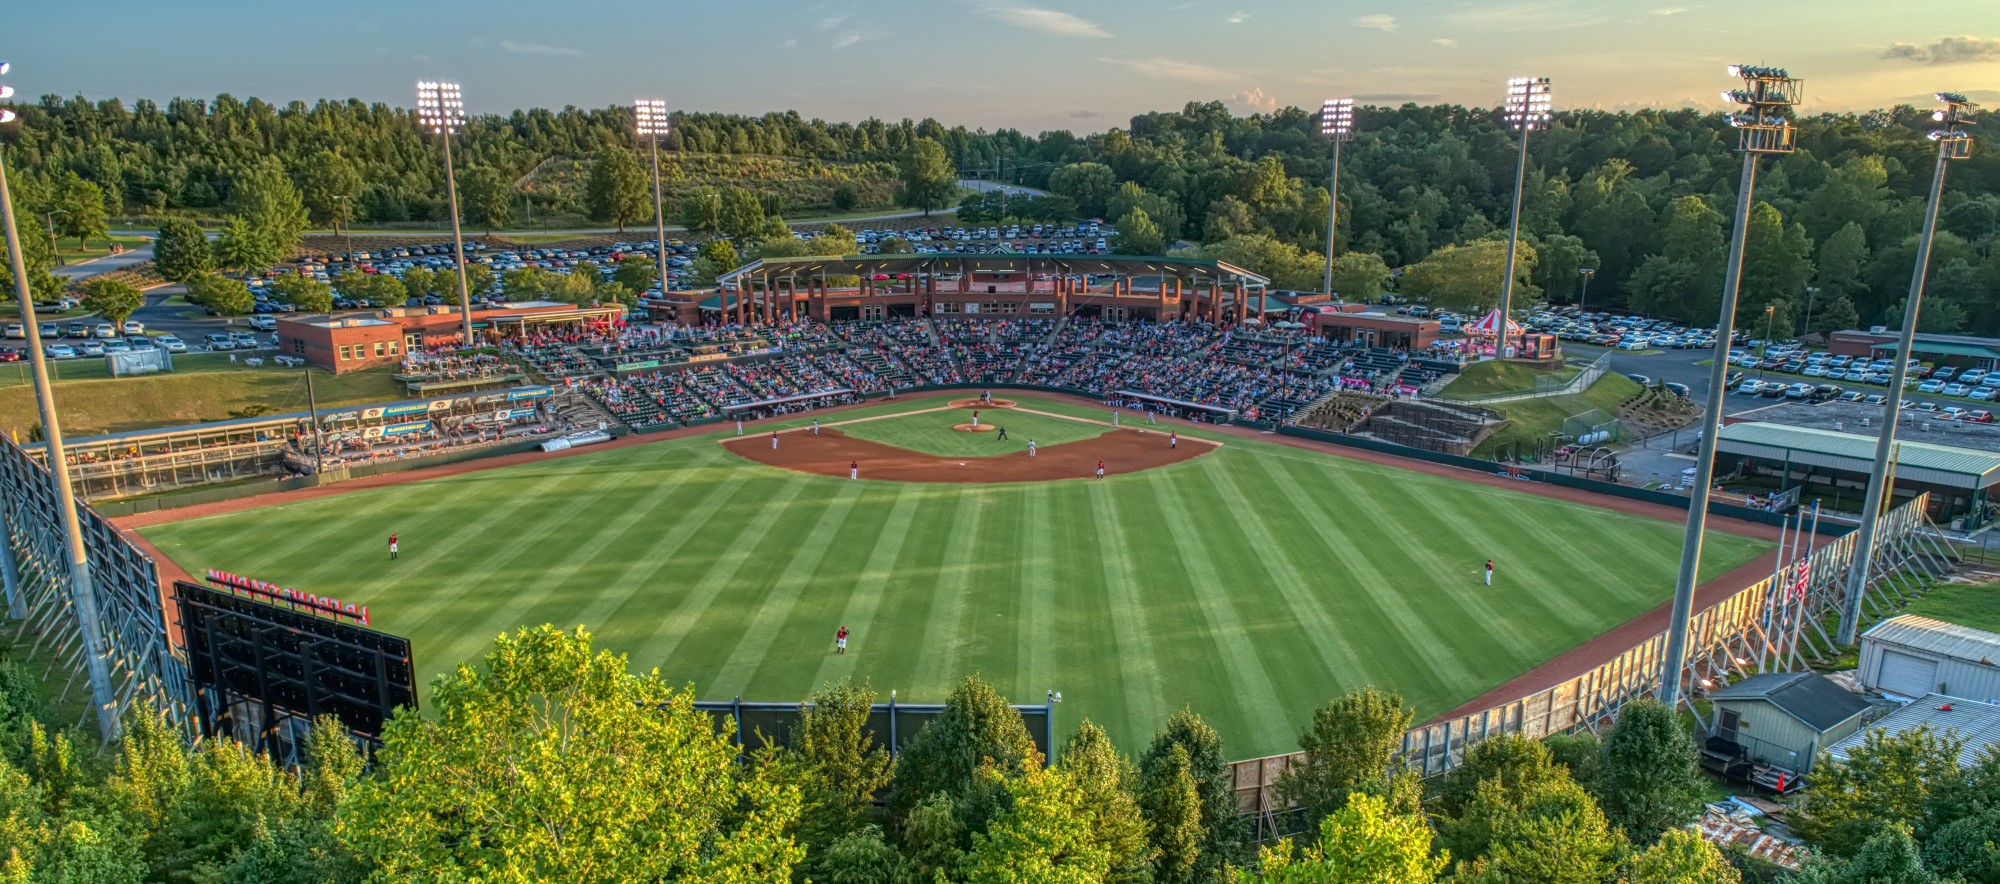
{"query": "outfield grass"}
pixel 210 389
pixel 1253 583
pixel 932 433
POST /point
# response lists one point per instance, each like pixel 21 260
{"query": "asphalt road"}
pixel 1681 366
pixel 108 263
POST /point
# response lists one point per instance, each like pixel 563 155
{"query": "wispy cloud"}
pixel 1446 42
pixel 1238 17
pixel 1533 15
pixel 833 21
pixel 1168 69
pixel 520 48
pixel 1671 10
pixel 1084 115
pixel 1255 100
pixel 1380 21
pixel 1946 50
pixel 422 57
pixel 844 40
pixel 1048 21
pixel 792 43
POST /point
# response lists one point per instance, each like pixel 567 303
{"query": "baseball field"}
pixel 1250 580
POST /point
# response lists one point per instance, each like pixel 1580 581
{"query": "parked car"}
pixel 104 330
pixel 16 331
pixel 59 351
pixel 263 323
pixel 134 327
pixel 1931 386
pixel 219 341
pixel 1640 379
pixel 1680 390
pixel 49 330
pixel 1851 396
pixel 11 356
pixel 91 348
pixel 244 340
pixel 171 344
pixel 1875 399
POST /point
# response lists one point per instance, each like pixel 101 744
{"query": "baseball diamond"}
pixel 1248 579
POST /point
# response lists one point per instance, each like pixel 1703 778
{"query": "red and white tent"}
pixel 1485 326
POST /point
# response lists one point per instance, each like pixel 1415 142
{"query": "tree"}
pixel 1582 754
pixel 1552 832
pixel 1171 802
pixel 1286 265
pixel 836 762
pixel 1468 277
pixel 1164 212
pixel 1674 289
pixel 895 245
pixel 113 300
pixel 265 198
pixel 845 197
pixel 1886 780
pixel 332 184
pixel 304 293
pixel 1091 185
pixel 1841 264
pixel 616 191
pixel 43 285
pixel 1362 843
pixel 1649 780
pixel 1777 265
pixel 1683 857
pixel 928 179
pixel 636 273
pixel 716 257
pixel 1836 316
pixel 701 211
pixel 1359 276
pixel 525 771
pixel 742 216
pixel 977 729
pixel 243 248
pixel 1228 217
pixel 1138 235
pixel 1044 834
pixel 1349 745
pixel 82 204
pixel 1104 781
pixel 374 289
pixel 1888 856
pixel 487 197
pixel 182 251
pixel 1222 836
pixel 225 296
pixel 1515 761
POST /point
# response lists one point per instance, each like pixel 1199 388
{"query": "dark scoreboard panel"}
pixel 248 657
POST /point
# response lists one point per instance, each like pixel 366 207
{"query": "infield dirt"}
pixel 832 452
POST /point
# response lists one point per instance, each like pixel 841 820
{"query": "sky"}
pixel 1035 65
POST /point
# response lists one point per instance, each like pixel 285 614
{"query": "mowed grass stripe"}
pixel 873 581
pixel 1131 671
pixel 764 627
pixel 735 548
pixel 901 640
pixel 944 634
pixel 1034 569
pixel 994 613
pixel 1280 545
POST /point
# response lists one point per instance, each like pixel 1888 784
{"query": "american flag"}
pixel 1801 575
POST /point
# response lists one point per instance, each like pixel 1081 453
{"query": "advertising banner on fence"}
pixel 708 357
pixel 272 592
pixel 520 393
pixel 405 429
pixel 520 413
pixel 401 410
pixel 636 366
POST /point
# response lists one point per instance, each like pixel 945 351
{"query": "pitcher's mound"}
pixel 975 403
pixel 968 428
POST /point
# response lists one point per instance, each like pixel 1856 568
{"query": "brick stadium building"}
pixel 365 339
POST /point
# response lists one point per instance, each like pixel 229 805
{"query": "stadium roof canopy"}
pixel 1119 265
pixel 1917 461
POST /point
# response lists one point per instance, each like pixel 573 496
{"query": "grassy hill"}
pixel 799 185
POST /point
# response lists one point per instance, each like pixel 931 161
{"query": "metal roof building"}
pixel 1785 718
pixel 1912 656
pixel 1833 463
pixel 1976 725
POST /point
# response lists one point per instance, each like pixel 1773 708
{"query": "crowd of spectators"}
pixel 450 364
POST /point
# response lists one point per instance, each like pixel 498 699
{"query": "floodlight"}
pixel 1529 101
pixel 440 106
pixel 3 68
pixel 7 92
pixel 1336 118
pixel 649 116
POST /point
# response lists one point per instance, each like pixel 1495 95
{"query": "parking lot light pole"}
pixel 1586 273
pixel 1763 126
pixel 1528 103
pixel 441 108
pixel 1812 295
pixel 1954 143
pixel 650 118
pixel 1764 348
pixel 1336 122
pixel 54 250
pixel 82 589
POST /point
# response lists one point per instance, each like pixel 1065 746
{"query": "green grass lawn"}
pixel 202 387
pixel 1252 584
pixel 73 252
pixel 1974 605
pixel 932 433
pixel 1532 420
pixel 1495 377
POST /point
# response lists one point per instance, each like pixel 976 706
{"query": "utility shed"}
pixel 1976 725
pixel 1783 719
pixel 1911 656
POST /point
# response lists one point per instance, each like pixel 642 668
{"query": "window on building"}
pixel 380 348
pixel 299 346
pixel 346 353
pixel 392 348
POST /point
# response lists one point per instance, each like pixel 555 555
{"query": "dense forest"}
pixel 551 761
pixel 1642 198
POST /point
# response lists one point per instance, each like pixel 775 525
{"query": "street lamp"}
pixel 441 109
pixel 345 240
pixel 1812 295
pixel 650 117
pixel 1763 126
pixel 1954 143
pixel 1764 348
pixel 1581 299
pixel 1528 103
pixel 82 590
pixel 1336 122
pixel 55 251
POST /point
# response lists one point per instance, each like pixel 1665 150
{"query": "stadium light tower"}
pixel 1954 143
pixel 650 119
pixel 1528 103
pixel 1336 122
pixel 82 589
pixel 441 109
pixel 1763 126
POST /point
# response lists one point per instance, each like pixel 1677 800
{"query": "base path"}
pixel 831 453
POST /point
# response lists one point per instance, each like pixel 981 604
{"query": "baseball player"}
pixel 815 426
pixel 1489 572
pixel 1100 469
pixel 1031 448
pixel 854 470
pixel 1173 439
pixel 975 419
pixel 840 641
pixel 774 440
pixel 1003 433
pixel 392 546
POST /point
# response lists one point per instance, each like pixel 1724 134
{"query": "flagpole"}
pixel 1773 594
pixel 1805 586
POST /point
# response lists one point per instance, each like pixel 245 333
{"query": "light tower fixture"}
pixel 1954 143
pixel 651 122
pixel 82 595
pixel 441 109
pixel 1763 125
pixel 1336 122
pixel 1529 100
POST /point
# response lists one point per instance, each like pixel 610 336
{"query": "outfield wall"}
pixel 1724 640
